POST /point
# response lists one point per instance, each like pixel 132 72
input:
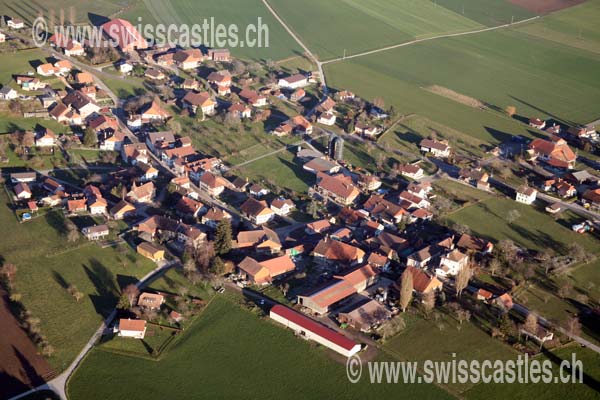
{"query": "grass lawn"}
pixel 156 339
pixel 486 12
pixel 587 390
pixel 124 88
pixel 281 170
pixel 533 229
pixel 461 193
pixel 19 63
pixel 227 12
pixel 587 278
pixel 424 340
pixel 357 26
pixel 11 123
pixel 230 353
pixel 47 264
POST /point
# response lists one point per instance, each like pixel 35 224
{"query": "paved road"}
pixel 59 384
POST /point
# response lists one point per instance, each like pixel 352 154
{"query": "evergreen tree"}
pixel 89 138
pixel 223 237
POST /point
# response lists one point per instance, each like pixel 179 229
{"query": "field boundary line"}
pixel 447 35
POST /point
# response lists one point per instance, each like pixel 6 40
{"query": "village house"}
pixel 297 95
pixel 452 263
pixel 436 148
pixel 76 205
pixel 258 191
pixel 384 210
pixel 154 112
pixel 338 188
pixel 22 191
pixel 327 118
pixel 84 78
pixel 25 177
pixel 194 100
pixel 333 252
pixel 526 195
pixel 154 74
pixel 131 328
pixel 150 251
pixel 122 210
pixel 46 70
pixel 322 300
pixel 151 301
pixel 219 55
pixel 411 171
pixel 592 197
pixel 282 207
pixel 423 282
pixel 124 35
pixel 82 104
pixel 474 244
pixel 45 138
pixel 293 81
pixel 15 23
pixel 264 272
pixel 29 83
pixel 188 59
pixel 422 258
pixel 169 229
pixel 537 123
pixel 318 227
pixel 134 152
pixel 188 207
pixel 95 232
pixel 556 152
pixel 257 211
pixel 311 330
pixel 262 240
pixel 8 93
pixel 213 184
pixel 142 194
pixel 214 216
pixel 240 111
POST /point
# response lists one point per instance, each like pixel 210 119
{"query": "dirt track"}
pixel 545 6
pixel 21 367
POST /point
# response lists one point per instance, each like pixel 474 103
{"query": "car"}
pixel 261 302
pixel 221 290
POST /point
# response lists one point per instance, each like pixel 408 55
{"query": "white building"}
pixel 452 263
pixel 312 330
pixel 133 328
pixel 526 195
pixel 293 82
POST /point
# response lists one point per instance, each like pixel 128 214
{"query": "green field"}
pixel 19 63
pixel 575 26
pixel 500 68
pixel 587 390
pixel 47 264
pixel 230 353
pixel 438 340
pixel 83 9
pixel 281 170
pixel 358 26
pixel 238 12
pixel 532 230
pixel 486 12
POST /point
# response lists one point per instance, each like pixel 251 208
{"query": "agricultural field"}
pixel 19 63
pixel 358 26
pixel 84 10
pixel 587 390
pixel 534 229
pixel 228 351
pixel 239 12
pixel 48 263
pixel 575 27
pixel 480 66
pixel 487 12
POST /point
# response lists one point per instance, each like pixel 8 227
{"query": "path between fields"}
pixel 299 41
pixel 447 35
pixel 59 384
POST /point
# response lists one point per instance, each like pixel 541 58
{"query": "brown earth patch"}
pixel 545 6
pixel 21 366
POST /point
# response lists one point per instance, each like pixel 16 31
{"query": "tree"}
pixel 578 252
pixel 313 209
pixel 217 266
pixel 406 289
pixel 494 266
pixel 573 327
pixel 508 250
pixel 512 216
pixel 223 237
pixel 531 323
pixel 463 315
pixel 28 139
pixel 8 271
pixel 204 255
pixel 461 229
pixel 428 303
pixel 510 110
pixel 350 126
pixel 89 138
pixel 131 293
pixel 462 279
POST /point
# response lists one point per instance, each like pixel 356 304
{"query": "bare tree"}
pixel 428 303
pixel 8 271
pixel 462 279
pixel 512 216
pixel 531 323
pixel 573 327
pixel 406 289
pixel 131 292
pixel 463 315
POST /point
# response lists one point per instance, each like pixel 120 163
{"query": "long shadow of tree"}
pixel 106 288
